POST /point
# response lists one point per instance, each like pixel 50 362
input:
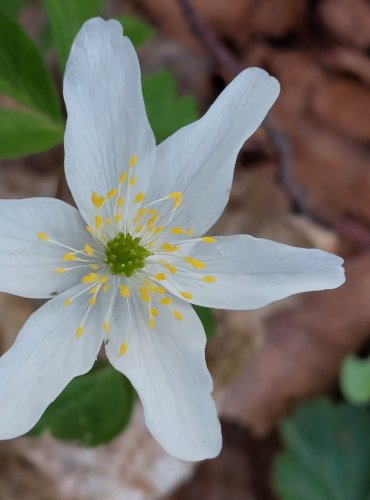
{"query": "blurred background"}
pixel 292 380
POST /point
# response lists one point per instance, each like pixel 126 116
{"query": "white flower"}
pixel 125 267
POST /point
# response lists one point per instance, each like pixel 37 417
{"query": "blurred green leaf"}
pixel 355 379
pixel 22 133
pixel 166 111
pixel 66 18
pixel 93 409
pixel 207 318
pixel 136 29
pixel 11 8
pixel 327 453
pixel 23 75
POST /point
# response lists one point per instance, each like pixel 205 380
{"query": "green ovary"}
pixel 124 255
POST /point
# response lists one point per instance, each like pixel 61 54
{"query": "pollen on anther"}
pixel 67 302
pixel 160 276
pixel 98 221
pixel 122 178
pixel 79 331
pixel 124 291
pixel 189 232
pixel 177 315
pixel 123 348
pixel 92 301
pixel 208 239
pixel 60 270
pixel 167 247
pixel 117 217
pixel 89 250
pixel 106 288
pixel 97 200
pixel 69 256
pixel 112 193
pixel 106 326
pixel 133 181
pixel 133 161
pixel 166 301
pixel 186 295
pixel 119 201
pixel 139 197
pixel 172 269
pixel 198 264
pixel 43 236
pixel 209 279
pixel 151 323
pixel 154 311
pixel 177 230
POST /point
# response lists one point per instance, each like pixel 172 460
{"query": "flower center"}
pixel 124 255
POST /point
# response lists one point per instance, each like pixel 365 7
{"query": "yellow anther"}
pixel 151 244
pixel 94 266
pixel 186 295
pixel 106 288
pixel 60 270
pixel 69 256
pixel 89 278
pixel 152 287
pixel 94 290
pixel 139 214
pixel 92 301
pixel 177 230
pixel 209 279
pixel 189 232
pixel 172 269
pixel 208 239
pixel 133 181
pixel 98 221
pixel 119 201
pixel 117 217
pixel 122 178
pixel 151 222
pixel 177 198
pixel 158 229
pixel 138 229
pixel 97 200
pixel 79 331
pixel 144 294
pixel 123 348
pixel 124 291
pixel 167 247
pixel 177 314
pixel 154 311
pixel 160 276
pixel 106 326
pixel 198 264
pixel 133 161
pixel 67 302
pixel 108 222
pixel 139 197
pixel 89 229
pixel 112 193
pixel 104 279
pixel 166 301
pixel 161 290
pixel 151 323
pixel 89 250
pixel 43 236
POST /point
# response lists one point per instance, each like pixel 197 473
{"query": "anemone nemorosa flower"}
pixel 124 269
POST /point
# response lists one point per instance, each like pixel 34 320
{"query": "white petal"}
pixel 28 264
pixel 251 272
pixel 199 159
pixel 167 368
pixel 107 122
pixel 45 357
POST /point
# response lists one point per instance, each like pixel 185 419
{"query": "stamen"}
pixel 166 301
pixel 177 314
pixel 125 291
pixel 123 348
pixel 160 276
pixel 79 331
pixel 133 181
pixel 177 230
pixel 43 236
pixel 209 279
pixel 97 200
pixel 208 239
pixel 122 178
pixel 112 193
pixel 119 201
pixel 89 250
pixel 186 295
pixel 133 161
pixel 167 247
pixel 69 256
pixel 198 264
pixel 98 221
pixel 139 197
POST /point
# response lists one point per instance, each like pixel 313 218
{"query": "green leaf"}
pixel 93 409
pixel 207 318
pixel 167 112
pixel 23 75
pixel 23 134
pixel 137 30
pixel 66 18
pixel 355 380
pixel 327 453
pixel 11 8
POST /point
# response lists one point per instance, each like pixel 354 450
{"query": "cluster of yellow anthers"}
pixel 124 241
